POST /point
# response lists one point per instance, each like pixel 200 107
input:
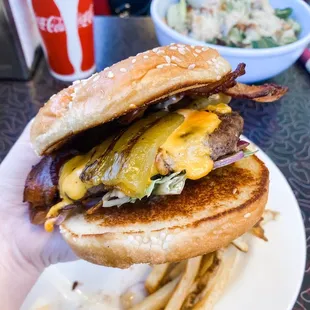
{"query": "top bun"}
pixel 127 85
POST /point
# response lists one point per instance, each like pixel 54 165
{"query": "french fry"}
pixel 176 270
pixel 219 279
pixel 207 261
pixel 159 299
pixel 258 231
pixel 208 267
pixel 153 280
pixel 269 215
pixel 183 287
pixel 240 244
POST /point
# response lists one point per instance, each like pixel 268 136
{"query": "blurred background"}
pixel 25 27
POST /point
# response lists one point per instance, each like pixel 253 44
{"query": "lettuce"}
pixel 172 184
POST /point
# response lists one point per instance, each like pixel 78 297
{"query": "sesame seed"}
pixel 134 60
pixel 209 62
pixel 110 75
pixel 123 70
pixel 195 54
pixel 235 190
pixel 96 78
pixel 165 246
pixel 247 215
pixel 192 66
pixel 161 52
pixel 192 46
pixel 74 83
pixel 197 50
pixel 70 105
pixel 130 238
pixel 155 50
pixel 106 68
pixel 205 49
pixel 218 78
pixel 181 45
pixel 175 59
pixel 145 239
pixel 145 57
pixel 133 106
pixel 159 66
pixel 139 54
pixel 146 52
pixel 168 59
pixel 172 43
pixel 187 49
pixel 181 51
pixel 174 65
pixel 173 48
pixel 84 82
pixel 213 59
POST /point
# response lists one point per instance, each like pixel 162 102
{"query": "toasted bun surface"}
pixel 124 87
pixel 208 215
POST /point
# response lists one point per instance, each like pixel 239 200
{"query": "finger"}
pixel 15 167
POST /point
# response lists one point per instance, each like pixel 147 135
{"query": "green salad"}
pixel 234 23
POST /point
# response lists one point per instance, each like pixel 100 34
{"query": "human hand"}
pixel 26 249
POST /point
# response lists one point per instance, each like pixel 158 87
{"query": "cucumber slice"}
pixel 265 42
pixel 283 13
pixel 176 16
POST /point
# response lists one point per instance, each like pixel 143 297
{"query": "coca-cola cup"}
pixel 66 28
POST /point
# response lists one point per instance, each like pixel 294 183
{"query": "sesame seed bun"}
pixel 127 85
pixel 206 216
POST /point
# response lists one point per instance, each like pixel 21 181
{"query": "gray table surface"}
pixel 281 129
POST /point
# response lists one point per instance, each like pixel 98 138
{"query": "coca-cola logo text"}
pixel 55 24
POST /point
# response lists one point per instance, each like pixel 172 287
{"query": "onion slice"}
pixel 241 145
pixel 228 160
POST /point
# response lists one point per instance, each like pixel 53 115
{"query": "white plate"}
pixel 268 277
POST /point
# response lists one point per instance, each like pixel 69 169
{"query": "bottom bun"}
pixel 207 216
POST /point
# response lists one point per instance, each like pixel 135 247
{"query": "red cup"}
pixel 66 28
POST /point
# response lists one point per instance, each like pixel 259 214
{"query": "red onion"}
pixel 228 160
pixel 241 145
pixel 61 217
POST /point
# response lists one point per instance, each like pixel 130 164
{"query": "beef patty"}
pixel 224 139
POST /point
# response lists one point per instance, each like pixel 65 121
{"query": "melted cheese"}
pixel 70 185
pixel 220 108
pixel 52 213
pixel 186 146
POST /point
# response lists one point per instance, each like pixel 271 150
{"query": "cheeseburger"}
pixel 143 162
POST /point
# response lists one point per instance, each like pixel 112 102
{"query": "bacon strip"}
pixel 41 187
pixel 260 93
pixel 228 81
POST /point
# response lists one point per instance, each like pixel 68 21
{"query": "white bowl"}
pixel 261 64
